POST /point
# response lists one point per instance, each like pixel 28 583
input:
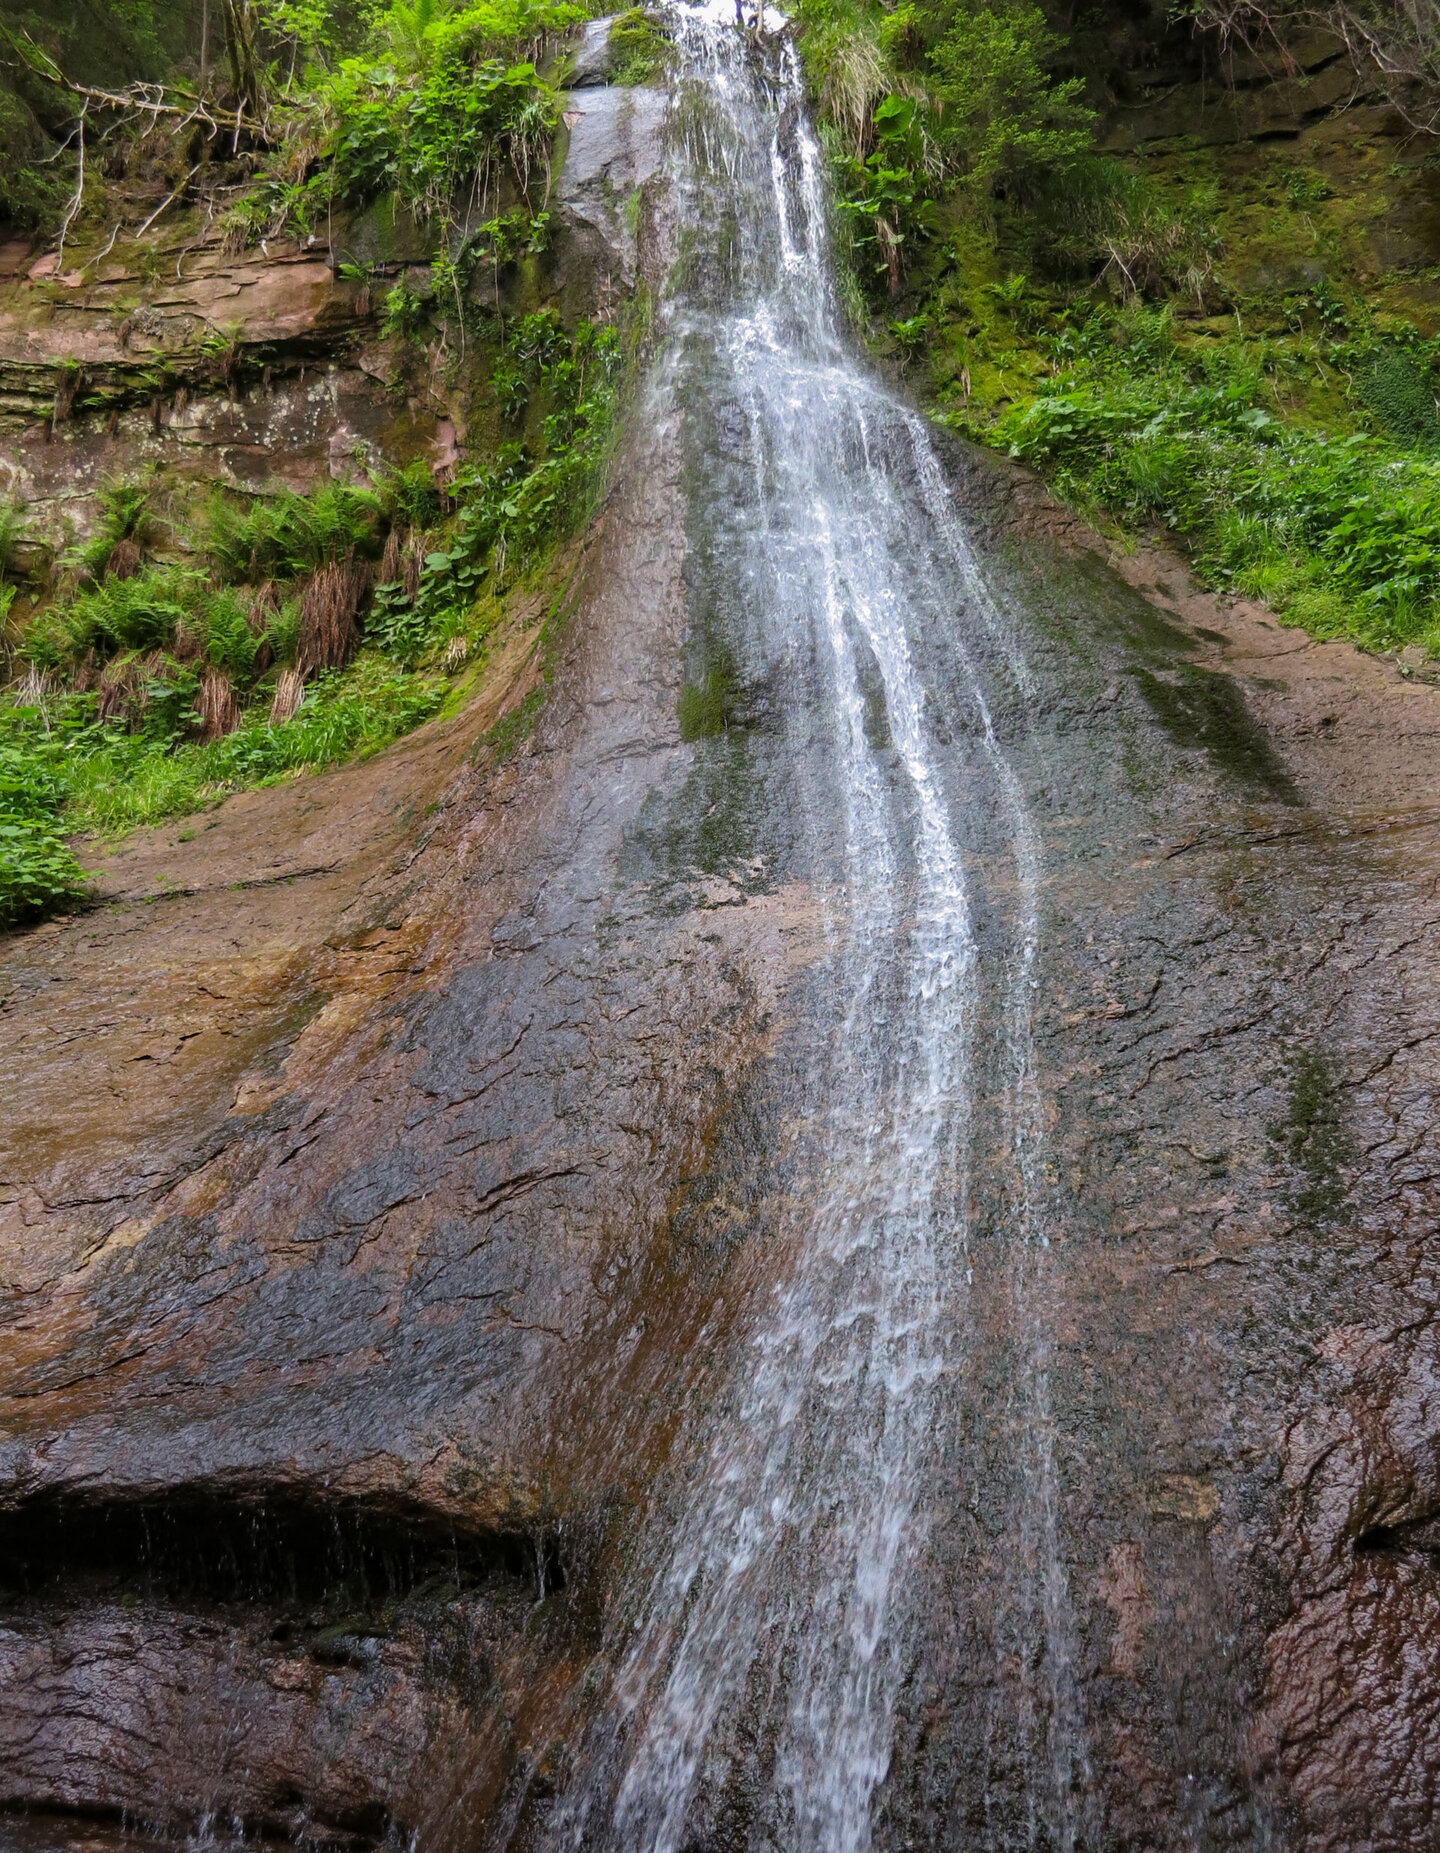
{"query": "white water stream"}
pixel 785 1598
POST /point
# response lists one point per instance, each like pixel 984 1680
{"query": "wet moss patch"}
pixel 1311 1138
pixel 1204 708
pixel 709 707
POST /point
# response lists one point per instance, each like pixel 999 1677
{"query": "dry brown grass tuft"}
pixel 289 693
pixel 34 686
pixel 124 687
pixel 216 705
pixel 411 565
pixel 261 604
pixel 328 612
pixel 390 558
pixel 124 561
pixel 187 644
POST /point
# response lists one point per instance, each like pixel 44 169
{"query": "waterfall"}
pixel 779 1610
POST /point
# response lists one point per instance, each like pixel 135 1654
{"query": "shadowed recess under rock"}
pixel 276 1547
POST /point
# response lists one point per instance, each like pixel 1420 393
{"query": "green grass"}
pixel 104 780
pixel 1338 531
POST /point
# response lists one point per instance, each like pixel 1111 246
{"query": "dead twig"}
pixel 140 98
pixel 168 200
pixel 73 208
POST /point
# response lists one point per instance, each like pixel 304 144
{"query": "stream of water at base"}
pixel 782 1596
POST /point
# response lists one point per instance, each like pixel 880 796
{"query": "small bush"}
pixel 285 535
pixel 38 870
pixel 142 612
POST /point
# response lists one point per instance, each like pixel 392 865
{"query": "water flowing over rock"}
pixel 832 1256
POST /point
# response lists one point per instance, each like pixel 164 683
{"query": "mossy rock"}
pixel 386 233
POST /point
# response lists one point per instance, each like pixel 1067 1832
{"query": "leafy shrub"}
pixel 1341 534
pixel 1002 116
pixel 282 536
pixel 403 312
pixel 469 101
pixel 38 870
pixel 125 524
pixel 139 613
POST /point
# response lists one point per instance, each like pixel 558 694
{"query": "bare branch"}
pixel 1394 41
pixel 75 204
pixel 168 200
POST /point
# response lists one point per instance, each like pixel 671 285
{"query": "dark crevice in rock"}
pixel 271 1548
pixel 1409 1537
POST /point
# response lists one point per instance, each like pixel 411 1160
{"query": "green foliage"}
pixel 125 515
pixel 409 495
pixel 227 637
pixel 142 613
pixel 1001 116
pixel 515 506
pixel 639 47
pixel 32 190
pixel 403 313
pixel 108 781
pixel 888 209
pixel 932 103
pixel 283 535
pixel 432 120
pixel 1342 534
pixel 848 66
pixel 1402 394
pixel 38 870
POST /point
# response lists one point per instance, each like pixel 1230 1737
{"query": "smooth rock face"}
pixel 589 63
pixel 616 145
pixel 421 1232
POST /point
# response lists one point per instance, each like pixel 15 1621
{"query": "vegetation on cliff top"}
pixel 1195 337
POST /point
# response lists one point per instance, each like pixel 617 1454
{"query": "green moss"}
pixel 1311 1139
pixel 706 708
pixel 639 47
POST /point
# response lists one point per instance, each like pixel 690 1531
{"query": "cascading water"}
pixel 776 1625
